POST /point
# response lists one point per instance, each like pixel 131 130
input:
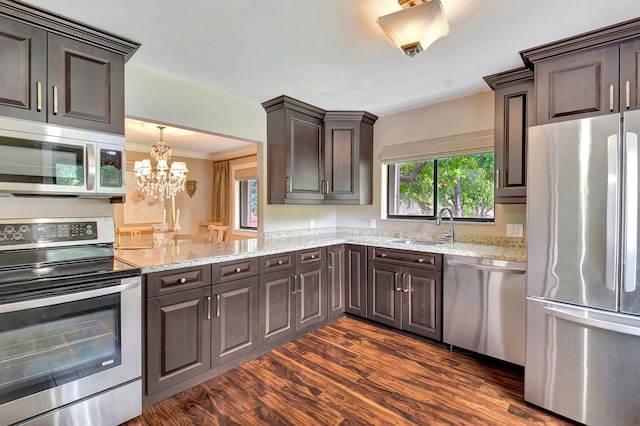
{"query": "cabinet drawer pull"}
pixel 383 255
pixel 421 260
pixel 611 97
pixel 39 96
pixel 280 262
pixel 55 100
pixel 238 270
pixel 628 92
pixel 208 307
pixel 313 256
pixel 217 306
pixel 182 280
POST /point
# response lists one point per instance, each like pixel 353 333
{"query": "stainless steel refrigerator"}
pixel 583 295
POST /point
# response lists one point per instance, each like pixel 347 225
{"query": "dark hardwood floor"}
pixel 355 373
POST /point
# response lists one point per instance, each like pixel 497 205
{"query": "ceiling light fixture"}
pixel 163 181
pixel 415 27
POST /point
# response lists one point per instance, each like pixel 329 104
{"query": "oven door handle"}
pixel 125 284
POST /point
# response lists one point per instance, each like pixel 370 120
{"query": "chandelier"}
pixel 163 181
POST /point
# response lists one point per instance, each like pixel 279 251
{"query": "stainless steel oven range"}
pixel 69 325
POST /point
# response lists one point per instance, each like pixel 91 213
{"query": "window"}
pixel 248 205
pixel 420 189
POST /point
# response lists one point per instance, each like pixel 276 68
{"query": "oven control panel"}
pixel 49 232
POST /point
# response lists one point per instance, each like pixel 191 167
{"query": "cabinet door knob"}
pixel 183 280
pixel 238 269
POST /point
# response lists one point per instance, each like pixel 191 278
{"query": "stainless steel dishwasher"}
pixel 484 303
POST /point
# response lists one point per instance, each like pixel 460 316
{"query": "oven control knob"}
pixel 17 236
pixel 9 229
pixel 3 236
pixel 24 228
pixel 89 232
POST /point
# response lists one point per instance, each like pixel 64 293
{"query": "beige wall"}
pixel 193 210
pixel 157 96
pixel 463 115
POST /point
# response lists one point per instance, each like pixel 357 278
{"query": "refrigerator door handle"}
pixel 591 322
pixel 630 212
pixel 612 212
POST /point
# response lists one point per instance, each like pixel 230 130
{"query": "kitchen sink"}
pixel 417 242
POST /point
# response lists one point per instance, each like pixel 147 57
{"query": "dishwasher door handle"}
pixel 488 268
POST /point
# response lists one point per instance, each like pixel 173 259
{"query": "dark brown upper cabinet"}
pixel 578 86
pixel 59 71
pixel 23 57
pixel 316 156
pixel 348 157
pixel 514 113
pixel 589 74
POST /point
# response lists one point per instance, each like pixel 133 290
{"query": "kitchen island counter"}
pixel 174 256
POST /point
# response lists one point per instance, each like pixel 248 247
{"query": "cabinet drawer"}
pixel 234 270
pixel 409 258
pixel 277 262
pixel 311 256
pixel 159 283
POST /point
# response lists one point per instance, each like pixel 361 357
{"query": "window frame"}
pixel 391 189
pixel 244 204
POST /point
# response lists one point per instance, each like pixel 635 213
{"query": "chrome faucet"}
pixel 447 235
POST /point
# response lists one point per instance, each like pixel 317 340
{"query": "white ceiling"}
pixel 331 53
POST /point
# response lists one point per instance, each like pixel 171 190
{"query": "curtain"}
pixel 221 194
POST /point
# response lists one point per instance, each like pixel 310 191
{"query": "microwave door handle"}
pixel 91 167
pixel 630 212
pixel 613 225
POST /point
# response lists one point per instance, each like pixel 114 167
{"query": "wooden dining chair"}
pixel 204 225
pixel 222 232
pixel 134 233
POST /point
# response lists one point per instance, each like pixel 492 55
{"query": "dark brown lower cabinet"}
pixel 292 301
pixel 406 298
pixel 178 337
pixel 235 320
pixel 311 296
pixel 355 275
pixel 336 281
pixel 277 306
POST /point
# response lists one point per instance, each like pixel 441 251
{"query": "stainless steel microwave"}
pixel 43 159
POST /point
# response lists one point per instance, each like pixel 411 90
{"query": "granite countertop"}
pixel 192 254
